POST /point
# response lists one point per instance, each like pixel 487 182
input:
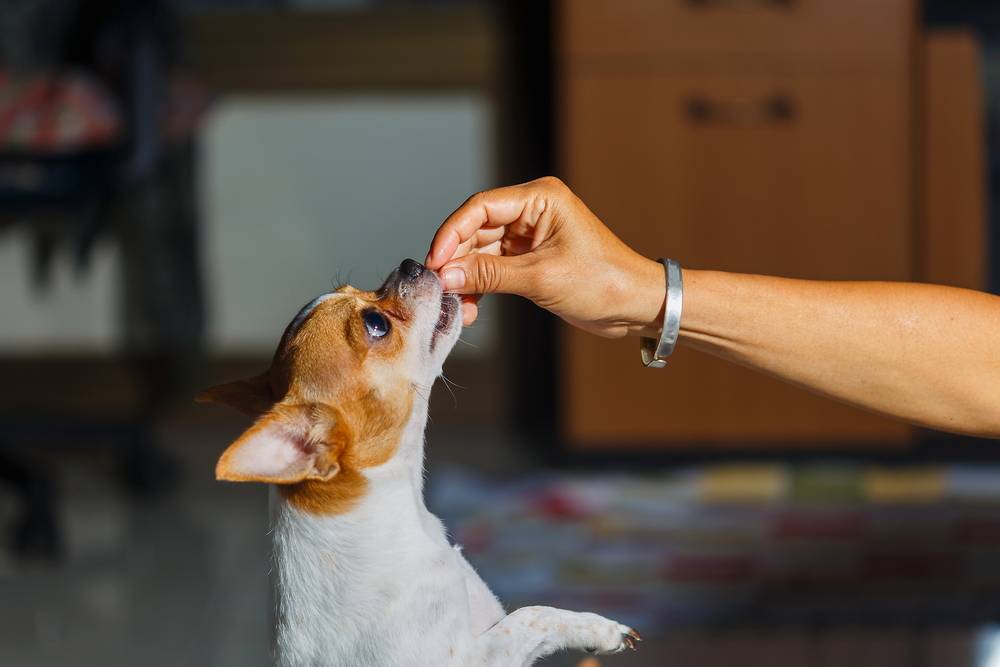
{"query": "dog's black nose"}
pixel 411 269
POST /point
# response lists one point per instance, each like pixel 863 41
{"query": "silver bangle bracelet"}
pixel 655 352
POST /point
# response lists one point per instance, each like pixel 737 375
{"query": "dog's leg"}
pixel 530 633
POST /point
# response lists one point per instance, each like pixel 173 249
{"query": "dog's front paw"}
pixel 610 636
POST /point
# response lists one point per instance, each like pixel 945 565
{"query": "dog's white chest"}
pixel 359 589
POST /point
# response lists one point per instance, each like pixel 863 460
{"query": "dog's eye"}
pixel 375 323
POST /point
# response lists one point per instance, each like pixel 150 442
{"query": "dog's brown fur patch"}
pixel 357 420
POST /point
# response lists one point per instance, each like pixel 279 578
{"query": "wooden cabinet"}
pixel 786 174
pixel 953 168
pixel 773 137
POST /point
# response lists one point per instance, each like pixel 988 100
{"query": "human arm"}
pixel 923 353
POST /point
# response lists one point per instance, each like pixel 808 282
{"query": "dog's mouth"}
pixel 446 317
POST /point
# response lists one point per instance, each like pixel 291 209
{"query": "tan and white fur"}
pixel 366 576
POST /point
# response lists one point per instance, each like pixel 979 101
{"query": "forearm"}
pixel 926 354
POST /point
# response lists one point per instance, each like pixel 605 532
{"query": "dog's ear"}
pixel 288 444
pixel 251 396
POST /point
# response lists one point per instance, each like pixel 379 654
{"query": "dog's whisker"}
pixel 447 385
pixel 451 382
pixel 425 394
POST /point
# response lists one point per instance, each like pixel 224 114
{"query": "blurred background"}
pixel 178 178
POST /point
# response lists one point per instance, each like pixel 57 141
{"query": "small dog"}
pixel 366 576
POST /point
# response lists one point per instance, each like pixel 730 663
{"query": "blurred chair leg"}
pixel 163 305
pixel 35 531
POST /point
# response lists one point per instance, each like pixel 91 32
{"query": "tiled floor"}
pixel 184 581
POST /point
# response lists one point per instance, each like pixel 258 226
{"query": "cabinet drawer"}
pixel 799 176
pixel 851 34
pixel 795 176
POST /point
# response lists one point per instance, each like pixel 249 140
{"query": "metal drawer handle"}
pixel 735 4
pixel 773 109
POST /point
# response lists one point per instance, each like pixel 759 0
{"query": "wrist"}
pixel 648 299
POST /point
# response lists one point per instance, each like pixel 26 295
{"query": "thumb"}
pixel 485 274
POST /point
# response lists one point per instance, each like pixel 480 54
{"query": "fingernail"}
pixel 453 278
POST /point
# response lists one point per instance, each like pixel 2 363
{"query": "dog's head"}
pixel 342 385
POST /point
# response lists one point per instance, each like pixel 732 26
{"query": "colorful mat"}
pixel 779 544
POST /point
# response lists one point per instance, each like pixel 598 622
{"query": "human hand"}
pixel 540 241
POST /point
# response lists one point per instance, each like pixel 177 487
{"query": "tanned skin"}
pixel 926 354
